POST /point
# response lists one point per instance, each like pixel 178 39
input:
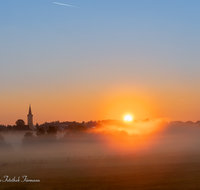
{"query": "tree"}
pixel 20 123
pixel 3 144
pixel 28 135
pixel 29 139
pixel 81 128
pixel 40 131
pixel 37 126
pixel 9 127
pixel 52 130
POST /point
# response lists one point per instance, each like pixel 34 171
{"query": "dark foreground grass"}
pixel 169 171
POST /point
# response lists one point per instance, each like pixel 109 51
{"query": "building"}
pixel 30 119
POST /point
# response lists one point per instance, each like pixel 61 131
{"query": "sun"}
pixel 128 118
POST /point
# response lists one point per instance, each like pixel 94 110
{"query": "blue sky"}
pixel 100 45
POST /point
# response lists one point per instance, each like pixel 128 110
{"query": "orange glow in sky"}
pixel 73 66
pixel 64 105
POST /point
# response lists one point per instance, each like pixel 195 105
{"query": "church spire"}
pixel 29 113
pixel 30 119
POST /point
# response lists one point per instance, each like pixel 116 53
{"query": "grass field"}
pixel 161 171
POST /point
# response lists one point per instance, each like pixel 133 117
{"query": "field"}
pixel 132 171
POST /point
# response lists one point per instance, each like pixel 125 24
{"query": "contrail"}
pixel 64 4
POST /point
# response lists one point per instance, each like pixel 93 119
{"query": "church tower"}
pixel 30 119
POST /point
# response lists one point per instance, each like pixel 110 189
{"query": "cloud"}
pixel 64 4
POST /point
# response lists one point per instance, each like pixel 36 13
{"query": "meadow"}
pixel 168 159
pixel 127 171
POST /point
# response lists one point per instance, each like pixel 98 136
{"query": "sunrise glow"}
pixel 128 118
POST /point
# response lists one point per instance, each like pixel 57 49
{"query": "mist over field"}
pixel 136 155
pixel 150 137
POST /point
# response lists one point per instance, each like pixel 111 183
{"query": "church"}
pixel 30 119
pixel 20 124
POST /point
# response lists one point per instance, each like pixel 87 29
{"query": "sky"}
pixel 98 60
